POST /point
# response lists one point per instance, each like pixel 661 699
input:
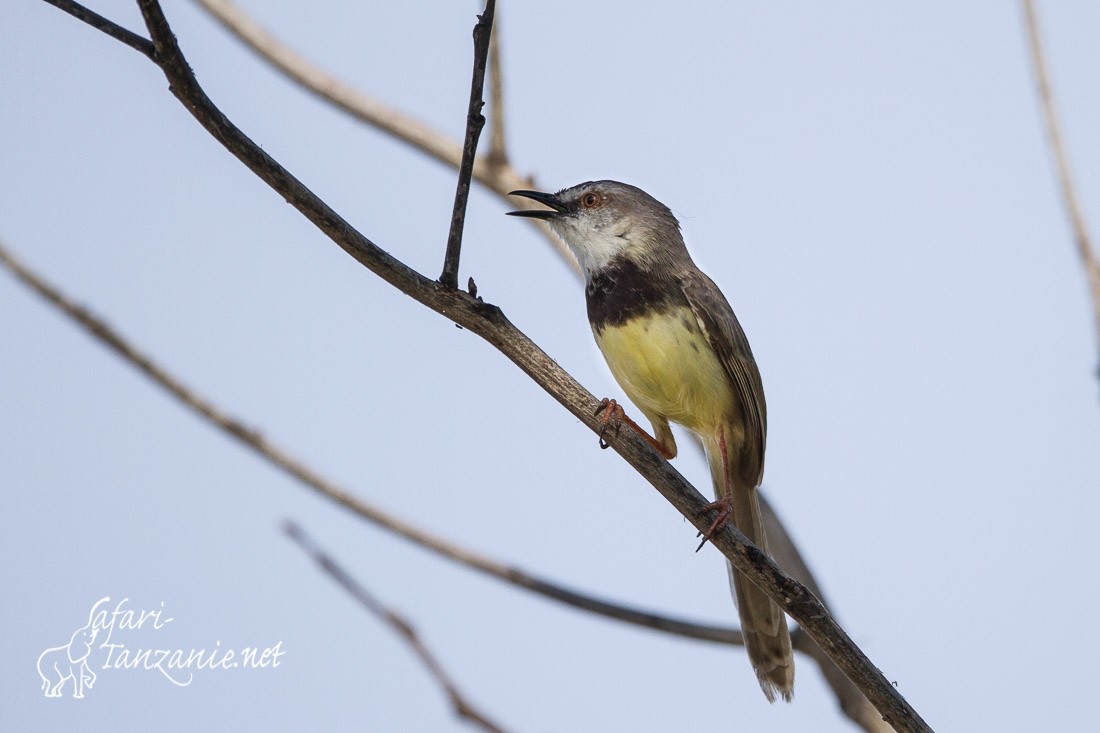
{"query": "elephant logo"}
pixel 60 664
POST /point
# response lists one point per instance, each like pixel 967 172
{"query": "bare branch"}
pixel 112 29
pixel 497 176
pixel 489 322
pixel 852 701
pixel 498 149
pixel 332 90
pixel 483 32
pixel 237 428
pixel 1061 162
pixel 462 707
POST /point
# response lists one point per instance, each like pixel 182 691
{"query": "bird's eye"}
pixel 591 200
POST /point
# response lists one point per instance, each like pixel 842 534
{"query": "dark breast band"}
pixel 622 291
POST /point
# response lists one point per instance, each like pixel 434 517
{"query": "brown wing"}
pixel 724 333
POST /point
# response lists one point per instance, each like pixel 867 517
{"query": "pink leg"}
pixel 613 418
pixel 724 505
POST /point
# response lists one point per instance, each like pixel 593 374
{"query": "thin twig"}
pixel 498 149
pixel 1061 162
pixel 332 90
pixel 462 707
pixel 498 178
pixel 112 29
pixel 489 322
pixel 237 428
pixel 475 121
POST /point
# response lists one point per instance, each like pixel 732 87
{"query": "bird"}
pixel 675 347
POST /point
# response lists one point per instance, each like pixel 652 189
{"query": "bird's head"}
pixel 604 220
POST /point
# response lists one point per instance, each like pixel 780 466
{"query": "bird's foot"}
pixel 724 507
pixel 612 415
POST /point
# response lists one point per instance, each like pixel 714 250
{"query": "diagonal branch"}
pixel 489 322
pixel 236 427
pixel 462 707
pixel 852 701
pixel 475 121
pixel 496 175
pixel 1061 163
pixel 112 29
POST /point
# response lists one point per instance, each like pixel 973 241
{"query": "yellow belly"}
pixel 666 367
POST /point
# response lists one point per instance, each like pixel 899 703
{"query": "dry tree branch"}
pixel 1061 163
pixel 499 177
pixel 475 121
pixel 498 148
pixel 852 701
pixel 112 29
pixel 314 80
pixel 462 707
pixel 489 322
pixel 496 175
pixel 238 428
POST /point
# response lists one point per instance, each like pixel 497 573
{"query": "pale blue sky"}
pixel 869 185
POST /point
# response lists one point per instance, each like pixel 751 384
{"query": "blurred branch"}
pixel 497 175
pixel 489 322
pixel 254 440
pixel 475 121
pixel 852 701
pixel 462 707
pixel 1061 162
pixel 498 149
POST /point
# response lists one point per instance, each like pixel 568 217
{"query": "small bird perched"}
pixel 674 345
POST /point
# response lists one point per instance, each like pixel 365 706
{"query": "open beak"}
pixel 549 199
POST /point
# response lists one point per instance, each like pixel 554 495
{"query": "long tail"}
pixel 763 624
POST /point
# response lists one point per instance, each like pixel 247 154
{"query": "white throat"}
pixel 594 248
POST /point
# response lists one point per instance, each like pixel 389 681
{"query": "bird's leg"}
pixel 723 504
pixel 614 416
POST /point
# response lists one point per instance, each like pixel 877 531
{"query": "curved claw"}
pixel 725 509
pixel 614 416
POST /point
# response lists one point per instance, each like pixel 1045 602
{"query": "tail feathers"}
pixel 763 624
pixel 766 638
